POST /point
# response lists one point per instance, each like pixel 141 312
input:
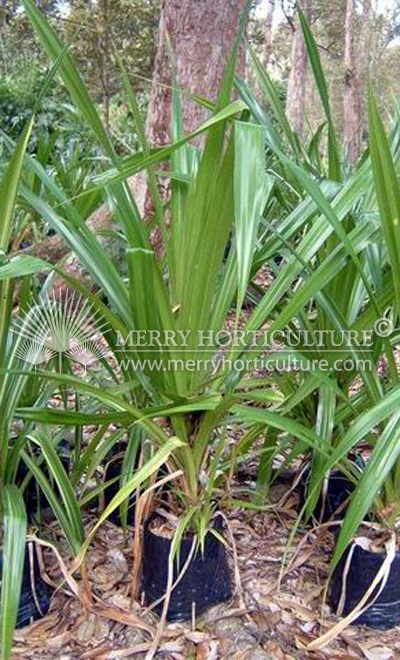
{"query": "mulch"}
pixel 277 610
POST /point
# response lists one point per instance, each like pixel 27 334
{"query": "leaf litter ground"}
pixel 268 618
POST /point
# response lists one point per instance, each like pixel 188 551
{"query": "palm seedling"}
pixel 25 453
pixel 15 389
pixel 372 597
pixel 349 283
pixel 329 237
pixel 217 192
pixel 365 561
pixel 324 226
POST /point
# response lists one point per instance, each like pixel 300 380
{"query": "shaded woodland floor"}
pixel 265 620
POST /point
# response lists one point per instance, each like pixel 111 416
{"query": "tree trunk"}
pixel 201 34
pixel 196 39
pixel 351 105
pixel 268 32
pixel 296 89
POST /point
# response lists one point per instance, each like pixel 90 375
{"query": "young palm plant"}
pixel 349 284
pixel 365 562
pixel 20 388
pixel 24 454
pixel 221 196
pixel 325 229
pixel 372 598
pixel 218 194
pixel 14 388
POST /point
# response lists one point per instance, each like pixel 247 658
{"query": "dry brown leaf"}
pixel 97 652
pixel 118 559
pixel 107 576
pixel 168 647
pixel 302 612
pixel 266 620
pixel 207 650
pixel 87 628
pixel 376 652
pixel 39 629
pixel 196 637
pixel 121 616
pixel 120 601
pixel 302 558
pixel 60 641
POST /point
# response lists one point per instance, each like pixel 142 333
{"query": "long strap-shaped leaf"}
pixel 378 468
pixel 22 265
pixel 251 187
pixel 312 48
pixel 159 458
pixel 387 190
pixel 8 195
pixel 272 96
pixel 9 186
pixel 13 564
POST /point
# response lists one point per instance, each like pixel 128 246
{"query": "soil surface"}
pixel 276 613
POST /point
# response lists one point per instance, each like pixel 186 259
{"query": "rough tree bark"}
pixel 202 34
pixel 351 103
pixel 296 90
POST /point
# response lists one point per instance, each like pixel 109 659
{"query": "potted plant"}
pixel 25 596
pixel 18 564
pixel 187 295
pixel 370 595
pixel 328 239
pixel 365 564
